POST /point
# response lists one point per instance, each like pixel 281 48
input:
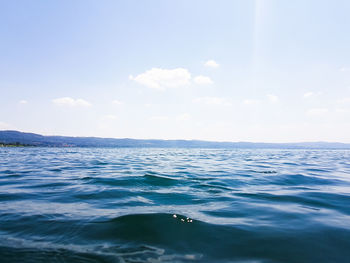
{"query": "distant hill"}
pixel 22 138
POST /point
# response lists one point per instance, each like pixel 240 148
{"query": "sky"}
pixel 235 70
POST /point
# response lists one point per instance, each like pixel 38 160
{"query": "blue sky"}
pixel 259 70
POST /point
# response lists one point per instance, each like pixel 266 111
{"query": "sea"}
pixel 174 205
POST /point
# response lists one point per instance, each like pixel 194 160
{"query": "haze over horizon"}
pixel 314 143
pixel 256 70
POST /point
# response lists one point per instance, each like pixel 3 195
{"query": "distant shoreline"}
pixel 10 138
pixel 2 144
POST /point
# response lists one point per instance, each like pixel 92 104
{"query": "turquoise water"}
pixel 174 205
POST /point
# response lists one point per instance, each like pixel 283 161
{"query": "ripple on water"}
pixel 174 205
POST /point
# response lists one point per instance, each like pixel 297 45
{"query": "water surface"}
pixel 174 205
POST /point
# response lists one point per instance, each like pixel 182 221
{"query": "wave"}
pixel 176 238
pixel 166 205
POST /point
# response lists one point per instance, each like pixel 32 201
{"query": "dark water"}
pixel 174 205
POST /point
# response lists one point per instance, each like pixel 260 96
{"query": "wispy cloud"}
pixel 342 110
pixel 344 69
pixel 117 102
pixel 273 98
pixel 68 101
pixel 159 118
pixel 308 95
pixel 317 112
pixel 344 101
pixel 183 117
pixel 212 101
pixel 23 102
pixel 109 117
pixel 250 102
pixel 149 105
pixel 202 80
pixel 211 63
pixel 157 78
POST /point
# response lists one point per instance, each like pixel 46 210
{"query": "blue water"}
pixel 174 205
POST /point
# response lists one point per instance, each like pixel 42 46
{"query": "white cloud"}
pixel 157 78
pixel 183 117
pixel 211 63
pixel 317 112
pixel 117 102
pixel 250 102
pixel 212 101
pixel 308 95
pixel 159 118
pixel 202 80
pixel 23 102
pixel 272 98
pixel 67 101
